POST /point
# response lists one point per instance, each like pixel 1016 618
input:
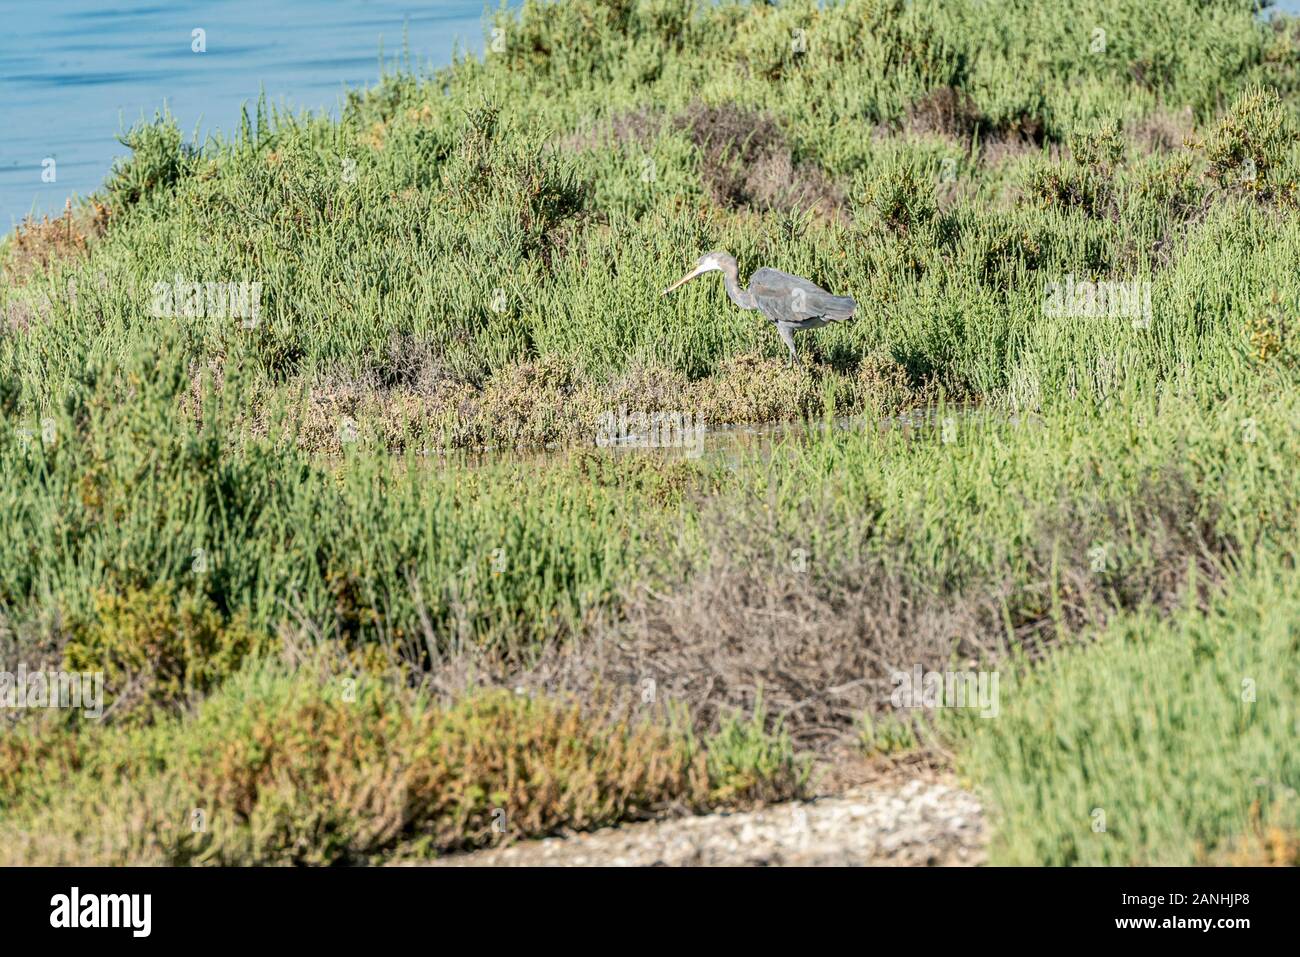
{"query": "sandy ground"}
pixel 918 821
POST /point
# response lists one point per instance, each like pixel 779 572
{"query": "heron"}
pixel 789 302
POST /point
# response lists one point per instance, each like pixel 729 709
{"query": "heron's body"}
pixel 789 302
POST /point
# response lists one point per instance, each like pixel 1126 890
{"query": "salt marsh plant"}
pixel 393 468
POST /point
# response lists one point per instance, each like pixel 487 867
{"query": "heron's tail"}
pixel 839 308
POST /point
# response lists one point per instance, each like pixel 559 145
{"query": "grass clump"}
pixel 751 758
pixel 887 735
pixel 1162 743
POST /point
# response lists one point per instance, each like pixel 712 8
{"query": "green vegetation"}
pixel 383 479
pixel 302 768
pixel 1167 740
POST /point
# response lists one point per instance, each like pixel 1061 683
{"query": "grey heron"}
pixel 789 302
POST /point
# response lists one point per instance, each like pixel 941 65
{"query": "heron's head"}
pixel 709 262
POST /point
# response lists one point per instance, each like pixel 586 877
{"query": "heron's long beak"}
pixel 698 270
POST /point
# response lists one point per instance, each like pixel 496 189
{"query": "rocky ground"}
pixel 921 820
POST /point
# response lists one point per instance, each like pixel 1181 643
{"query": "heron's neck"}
pixel 735 292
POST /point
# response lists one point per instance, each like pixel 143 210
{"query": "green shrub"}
pixel 1249 149
pixel 495 173
pixel 747 761
pixel 159 160
pixel 300 769
pixel 158 649
pixel 901 198
pixel 1088 181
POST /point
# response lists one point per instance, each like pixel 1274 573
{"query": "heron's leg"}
pixel 787 336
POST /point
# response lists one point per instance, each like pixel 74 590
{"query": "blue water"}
pixel 74 73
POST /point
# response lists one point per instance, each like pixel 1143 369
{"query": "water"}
pixel 730 445
pixel 74 73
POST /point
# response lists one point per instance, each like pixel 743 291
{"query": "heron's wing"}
pixel 792 299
